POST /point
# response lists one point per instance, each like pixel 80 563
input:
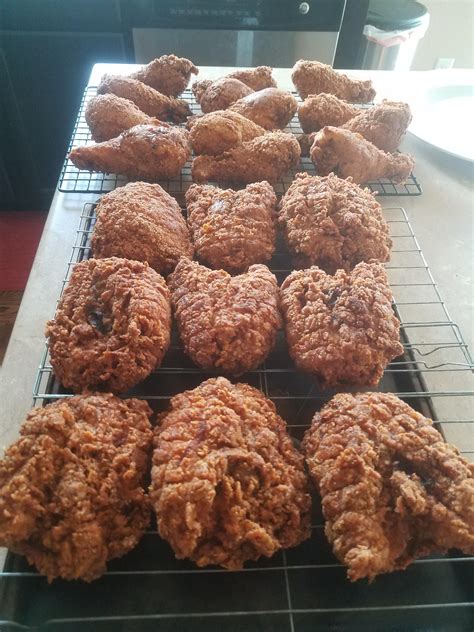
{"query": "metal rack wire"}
pixel 73 180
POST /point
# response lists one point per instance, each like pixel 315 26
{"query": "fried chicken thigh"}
pixel 266 157
pixel 226 323
pixel 349 155
pixel 341 328
pixel 257 78
pixel 313 77
pixel 332 223
pixel 168 74
pixel 232 230
pixel 227 484
pixel 384 124
pixel 143 152
pixel 71 487
pixel 392 490
pixel 270 108
pixel 319 110
pixel 217 132
pixel 219 94
pixel 147 99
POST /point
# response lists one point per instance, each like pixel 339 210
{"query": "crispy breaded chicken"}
pixel 319 110
pixel 313 77
pixel 392 490
pixel 384 124
pixel 227 484
pixel 219 94
pixel 168 74
pixel 257 78
pixel 217 132
pixel 270 108
pixel 341 328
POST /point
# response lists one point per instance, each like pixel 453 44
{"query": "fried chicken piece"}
pixel 266 157
pixel 226 323
pixel 270 108
pixel 227 484
pixel 168 74
pixel 341 328
pixel 141 221
pixel 332 223
pixel 220 131
pixel 392 490
pixel 143 152
pixel 349 155
pixel 147 99
pixel 71 487
pixel 305 141
pixel 219 94
pixel 232 230
pixel 112 325
pixel 319 110
pixel 108 116
pixel 257 78
pixel 384 124
pixel 313 77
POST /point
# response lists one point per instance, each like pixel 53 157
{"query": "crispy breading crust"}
pixel 332 223
pixel 319 110
pixel 217 132
pixel 112 325
pixel 219 94
pixel 227 484
pixel 257 78
pixel 392 490
pixel 341 328
pixel 313 77
pixel 71 488
pixel 232 230
pixel 168 74
pixel 270 108
pixel 227 323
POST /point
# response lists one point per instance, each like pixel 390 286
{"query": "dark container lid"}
pixel 397 15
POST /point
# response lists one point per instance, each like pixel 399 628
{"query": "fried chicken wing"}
pixel 143 152
pixel 257 78
pixel 266 157
pixel 226 323
pixel 341 328
pixel 217 132
pixel 227 484
pixel 313 77
pixel 332 223
pixel 71 487
pixel 270 108
pixel 168 74
pixel 219 94
pixel 384 124
pixel 232 230
pixel 319 110
pixel 147 99
pixel 392 490
pixel 349 154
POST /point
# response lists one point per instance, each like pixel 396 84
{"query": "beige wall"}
pixel 450 34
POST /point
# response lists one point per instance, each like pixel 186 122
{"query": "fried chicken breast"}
pixel 341 328
pixel 217 132
pixel 266 157
pixel 257 78
pixel 168 74
pixel 143 152
pixel 313 77
pixel 227 484
pixel 71 487
pixel 226 323
pixel 219 94
pixel 392 490
pixel 143 222
pixel 270 108
pixel 232 230
pixel 332 223
pixel 319 110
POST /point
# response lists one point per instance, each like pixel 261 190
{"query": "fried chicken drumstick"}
pixel 313 77
pixel 257 78
pixel 270 108
pixel 217 132
pixel 392 490
pixel 167 74
pixel 319 110
pixel 219 94
pixel 227 484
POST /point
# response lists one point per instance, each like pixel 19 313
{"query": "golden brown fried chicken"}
pixel 219 94
pixel 141 221
pixel 392 490
pixel 220 131
pixel 270 108
pixel 143 152
pixel 227 484
pixel 226 323
pixel 108 116
pixel 384 124
pixel 313 77
pixel 147 99
pixel 349 155
pixel 266 157
pixel 319 110
pixel 232 230
pixel 341 328
pixel 168 74
pixel 332 223
pixel 257 78
pixel 71 487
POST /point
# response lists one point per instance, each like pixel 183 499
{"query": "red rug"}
pixel 20 233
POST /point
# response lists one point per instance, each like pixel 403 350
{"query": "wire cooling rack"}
pixel 74 180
